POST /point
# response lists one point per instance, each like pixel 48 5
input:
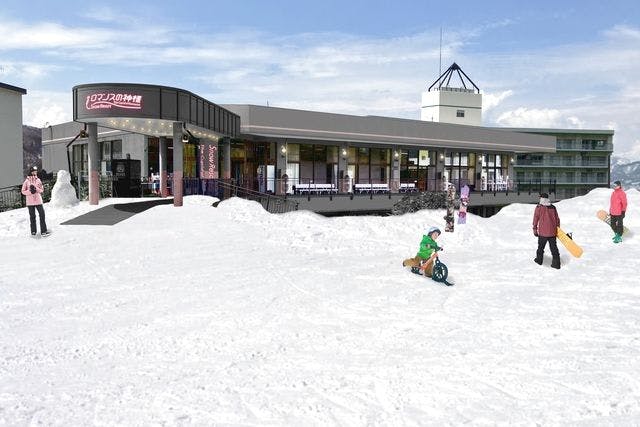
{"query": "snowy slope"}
pixel 232 316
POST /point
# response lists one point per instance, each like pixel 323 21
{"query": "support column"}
pixel 395 169
pixel 281 168
pixel 94 163
pixel 177 164
pixel 440 171
pixel 343 182
pixel 226 159
pixel 162 157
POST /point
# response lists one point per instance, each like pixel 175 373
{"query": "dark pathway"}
pixel 113 214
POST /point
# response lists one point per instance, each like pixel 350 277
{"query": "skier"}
pixel 617 209
pixel 545 227
pixel 32 188
pixel 428 248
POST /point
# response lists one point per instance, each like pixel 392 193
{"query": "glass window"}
pixel 459 113
pixel 293 153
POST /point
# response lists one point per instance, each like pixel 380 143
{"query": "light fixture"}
pixel 283 150
pixel 511 160
pixel 441 156
pixel 344 152
pixel 396 154
pixel 185 138
pixel 84 134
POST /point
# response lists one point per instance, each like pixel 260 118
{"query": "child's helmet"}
pixel 432 229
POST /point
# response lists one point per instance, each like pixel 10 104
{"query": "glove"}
pixel 622 214
pixel 32 189
pixel 535 233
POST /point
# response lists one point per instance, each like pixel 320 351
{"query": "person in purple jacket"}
pixel 545 227
pixel 32 188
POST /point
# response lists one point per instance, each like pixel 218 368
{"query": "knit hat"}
pixel 544 195
pixel 617 184
pixel 432 229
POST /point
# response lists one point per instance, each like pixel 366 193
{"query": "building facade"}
pixel 581 162
pixel 11 135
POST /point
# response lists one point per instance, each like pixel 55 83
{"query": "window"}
pixel 459 113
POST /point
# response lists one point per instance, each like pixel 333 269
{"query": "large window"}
pixel 312 163
pixel 80 159
pixel 459 168
pixel 418 166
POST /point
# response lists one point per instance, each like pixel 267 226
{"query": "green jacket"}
pixel 427 247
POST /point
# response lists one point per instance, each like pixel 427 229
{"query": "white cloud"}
pixel 492 100
pixel 524 117
pixel 40 108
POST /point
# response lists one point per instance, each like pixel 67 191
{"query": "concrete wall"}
pixel 442 106
pixel 10 138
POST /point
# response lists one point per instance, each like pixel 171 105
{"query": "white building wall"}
pixel 10 138
pixel 443 105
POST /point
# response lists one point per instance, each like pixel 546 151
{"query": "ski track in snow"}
pixel 232 316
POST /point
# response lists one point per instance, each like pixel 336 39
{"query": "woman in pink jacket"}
pixel 617 209
pixel 32 188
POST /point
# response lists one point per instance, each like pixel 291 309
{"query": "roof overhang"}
pixel 282 123
pixel 151 110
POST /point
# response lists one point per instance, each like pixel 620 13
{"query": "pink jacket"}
pixel 618 202
pixel 35 198
pixel 545 221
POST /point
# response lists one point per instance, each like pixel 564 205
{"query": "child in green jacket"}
pixel 428 247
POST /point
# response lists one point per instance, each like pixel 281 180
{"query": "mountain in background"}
pixel 626 172
pixel 31 148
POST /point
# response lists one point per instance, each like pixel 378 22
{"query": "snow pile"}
pixel 232 316
pixel 63 194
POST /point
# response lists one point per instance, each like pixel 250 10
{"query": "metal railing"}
pixel 11 198
pixel 224 189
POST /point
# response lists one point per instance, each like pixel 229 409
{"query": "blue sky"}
pixel 539 64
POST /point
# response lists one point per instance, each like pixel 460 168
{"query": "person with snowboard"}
pixel 32 188
pixel 545 227
pixel 617 209
pixel 428 248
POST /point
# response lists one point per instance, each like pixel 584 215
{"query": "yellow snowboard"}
pixel 604 216
pixel 568 243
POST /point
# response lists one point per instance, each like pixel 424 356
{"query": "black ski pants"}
pixel 32 219
pixel 616 224
pixel 553 246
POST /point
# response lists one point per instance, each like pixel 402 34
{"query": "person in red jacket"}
pixel 32 188
pixel 617 209
pixel 545 227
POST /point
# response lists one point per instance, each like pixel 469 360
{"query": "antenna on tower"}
pixel 440 66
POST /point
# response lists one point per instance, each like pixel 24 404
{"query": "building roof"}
pixel 551 131
pixel 290 124
pixel 13 88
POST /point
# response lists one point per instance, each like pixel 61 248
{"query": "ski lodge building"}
pixel 175 143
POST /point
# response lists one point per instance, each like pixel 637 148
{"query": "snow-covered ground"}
pixel 233 316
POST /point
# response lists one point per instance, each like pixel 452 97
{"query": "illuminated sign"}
pixel 108 100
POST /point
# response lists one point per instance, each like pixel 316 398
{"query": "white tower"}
pixel 444 103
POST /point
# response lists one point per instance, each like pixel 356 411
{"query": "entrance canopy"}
pixel 151 110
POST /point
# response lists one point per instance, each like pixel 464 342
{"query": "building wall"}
pixel 443 105
pixel 580 164
pixel 10 138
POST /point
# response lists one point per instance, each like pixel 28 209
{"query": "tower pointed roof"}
pixel 445 78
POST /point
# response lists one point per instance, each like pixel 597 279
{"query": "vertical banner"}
pixel 189 161
pixel 209 160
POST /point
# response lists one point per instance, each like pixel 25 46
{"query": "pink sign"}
pixel 108 100
pixel 209 161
